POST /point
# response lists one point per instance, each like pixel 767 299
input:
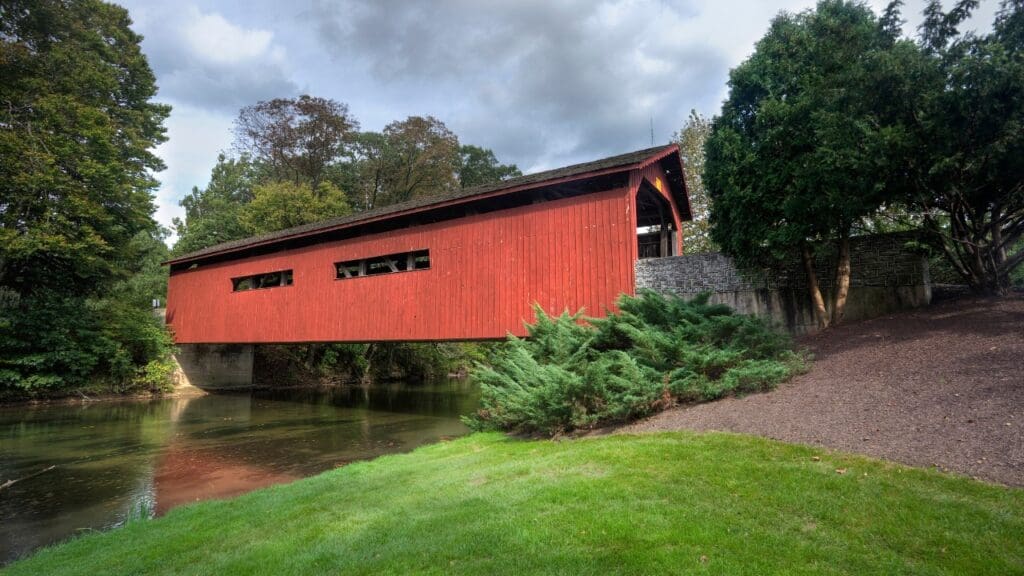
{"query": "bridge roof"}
pixel 610 165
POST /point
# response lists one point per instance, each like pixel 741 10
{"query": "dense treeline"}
pixel 79 249
pixel 304 159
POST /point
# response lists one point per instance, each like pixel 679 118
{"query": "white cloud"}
pixel 212 37
pixel 195 137
pixel 204 59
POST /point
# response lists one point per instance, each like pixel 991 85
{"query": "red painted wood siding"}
pixel 486 271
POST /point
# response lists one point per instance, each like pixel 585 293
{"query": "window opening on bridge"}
pixel 258 281
pixel 389 264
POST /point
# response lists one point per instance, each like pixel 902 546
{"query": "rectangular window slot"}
pixel 259 281
pixel 388 264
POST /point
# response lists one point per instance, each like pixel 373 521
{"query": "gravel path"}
pixel 943 386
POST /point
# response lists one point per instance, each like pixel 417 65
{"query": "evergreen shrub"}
pixel 573 372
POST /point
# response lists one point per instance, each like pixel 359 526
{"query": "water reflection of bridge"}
pixel 115 460
pixel 223 446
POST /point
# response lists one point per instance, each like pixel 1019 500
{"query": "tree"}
pixel 213 214
pixel 411 158
pixel 479 166
pixel 793 159
pixel 298 139
pixel 965 170
pixel 77 130
pixel 691 140
pixel 372 162
pixel 424 159
pixel 279 205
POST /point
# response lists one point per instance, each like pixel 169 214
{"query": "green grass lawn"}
pixel 649 504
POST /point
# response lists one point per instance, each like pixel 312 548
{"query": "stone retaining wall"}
pixel 885 276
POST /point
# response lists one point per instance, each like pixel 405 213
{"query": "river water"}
pixel 119 460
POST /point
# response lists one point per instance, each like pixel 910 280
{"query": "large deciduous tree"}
pixel 77 130
pixel 793 160
pixel 425 158
pixel 411 158
pixel 298 139
pixel 965 171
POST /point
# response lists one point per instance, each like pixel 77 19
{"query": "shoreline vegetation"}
pixel 619 504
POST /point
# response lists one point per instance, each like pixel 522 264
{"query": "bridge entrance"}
pixel 655 233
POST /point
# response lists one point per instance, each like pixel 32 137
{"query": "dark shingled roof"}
pixel 623 161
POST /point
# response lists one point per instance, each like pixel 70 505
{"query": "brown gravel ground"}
pixel 942 386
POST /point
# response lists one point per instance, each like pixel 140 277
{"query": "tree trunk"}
pixel 368 354
pixel 820 314
pixel 842 279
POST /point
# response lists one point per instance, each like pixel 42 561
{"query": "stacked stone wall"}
pixel 885 275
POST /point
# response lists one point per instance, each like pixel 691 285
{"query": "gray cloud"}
pixel 583 78
pixel 542 82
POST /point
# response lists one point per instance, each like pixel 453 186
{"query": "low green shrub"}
pixel 574 372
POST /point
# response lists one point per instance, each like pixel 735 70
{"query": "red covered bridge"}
pixel 464 266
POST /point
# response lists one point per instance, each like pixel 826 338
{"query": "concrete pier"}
pixel 215 366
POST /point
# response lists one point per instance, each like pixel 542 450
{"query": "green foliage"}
pixel 50 343
pixel 280 205
pixel 157 375
pixel 964 167
pixel 794 156
pixel 75 149
pixel 411 158
pixel 213 214
pixel 691 139
pixel 479 166
pixel 568 375
pixel 79 251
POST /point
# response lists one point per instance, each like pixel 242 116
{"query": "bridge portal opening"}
pixel 656 233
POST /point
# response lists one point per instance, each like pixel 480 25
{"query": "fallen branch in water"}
pixel 10 483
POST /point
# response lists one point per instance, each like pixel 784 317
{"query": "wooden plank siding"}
pixel 486 271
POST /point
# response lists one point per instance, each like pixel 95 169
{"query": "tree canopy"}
pixel 77 132
pixel 282 177
pixel 964 165
pixel 280 205
pixel 794 158
pixel 295 139
pixel 479 166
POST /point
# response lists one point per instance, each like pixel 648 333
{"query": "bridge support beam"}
pixel 215 366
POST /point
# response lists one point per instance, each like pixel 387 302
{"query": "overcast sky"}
pixel 544 83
